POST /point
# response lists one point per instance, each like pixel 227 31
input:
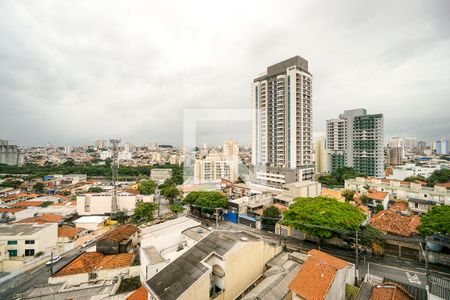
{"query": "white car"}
pixel 88 242
pixel 55 260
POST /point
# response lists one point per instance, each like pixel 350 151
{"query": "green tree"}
pixel 147 187
pixel 206 201
pixel 170 192
pixel 348 195
pixel 370 236
pixel 436 221
pixel 69 163
pixel 120 217
pixel 379 208
pixel 38 187
pixel 321 216
pixel 338 177
pixel 144 211
pixel 176 208
pixel 271 215
pixel 95 189
pixel 439 176
pixel 46 203
pixel 11 183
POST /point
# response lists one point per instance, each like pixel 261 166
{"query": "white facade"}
pixel 101 203
pixel 25 240
pixel 408 170
pixel 282 121
pixel 91 222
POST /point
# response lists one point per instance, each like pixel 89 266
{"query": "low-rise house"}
pixel 401 233
pixel 333 193
pixel 420 206
pixel 101 203
pixel 8 214
pixel 96 266
pixel 390 290
pixel 377 199
pixel 23 241
pixel 222 265
pixel 164 242
pixel 42 219
pixel 298 189
pixel 119 240
pixel 68 234
pixel 139 294
pixel 322 276
pixel 91 223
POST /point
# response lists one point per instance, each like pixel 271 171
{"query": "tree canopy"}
pixel 436 221
pixel 338 177
pixel 38 187
pixel 95 189
pixel 321 216
pixel 206 199
pixel 271 215
pixel 147 187
pixel 348 195
pixel 370 236
pixel 144 211
pixel 439 176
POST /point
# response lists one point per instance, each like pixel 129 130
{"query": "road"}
pixel 407 271
pixel 36 276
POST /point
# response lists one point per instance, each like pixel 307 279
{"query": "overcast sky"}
pixel 74 71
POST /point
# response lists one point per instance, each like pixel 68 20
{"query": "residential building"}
pixel 68 234
pixel 101 144
pixel 94 266
pixel 442 147
pixel 400 190
pixel 100 203
pixel 160 175
pixel 23 241
pixel 320 156
pixel 282 120
pixel 217 166
pixel 412 169
pixel 421 146
pixel 222 265
pixel 394 156
pixel 119 240
pixel 377 199
pixel 355 139
pixel 274 284
pixel 298 189
pixel 164 242
pixel 390 290
pixel 91 223
pixel 322 276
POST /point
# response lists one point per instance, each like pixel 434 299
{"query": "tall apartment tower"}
pixel 282 121
pixel 355 139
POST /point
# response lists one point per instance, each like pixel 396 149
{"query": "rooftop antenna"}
pixel 115 173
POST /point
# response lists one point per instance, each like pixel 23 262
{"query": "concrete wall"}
pixel 199 290
pixel 105 274
pixel 343 276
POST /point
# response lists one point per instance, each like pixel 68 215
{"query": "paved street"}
pixel 37 276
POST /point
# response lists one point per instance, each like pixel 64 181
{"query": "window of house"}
pixel 28 242
pixel 29 252
pixel 12 242
pixel 12 252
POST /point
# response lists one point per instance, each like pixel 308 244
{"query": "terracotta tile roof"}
pixel 316 275
pixel 281 207
pixel 379 196
pixel 445 184
pixel 332 193
pixel 399 206
pixel 69 231
pixel 394 223
pixel 14 197
pixel 132 191
pixel 90 261
pixel 10 210
pixel 27 203
pixel 365 209
pixel 46 218
pixel 139 294
pixel 390 291
pixel 120 233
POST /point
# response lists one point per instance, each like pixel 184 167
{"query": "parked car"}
pixel 87 243
pixel 54 260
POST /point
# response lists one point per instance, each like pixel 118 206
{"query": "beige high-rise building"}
pixel 320 155
pixel 218 165
pixel 282 121
pixel 101 144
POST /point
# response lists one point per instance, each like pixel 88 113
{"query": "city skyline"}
pixel 69 78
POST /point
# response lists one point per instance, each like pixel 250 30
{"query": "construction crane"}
pixel 115 173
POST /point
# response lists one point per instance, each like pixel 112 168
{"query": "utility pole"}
pixel 217 217
pixel 158 200
pixel 115 173
pixel 357 258
pixel 51 262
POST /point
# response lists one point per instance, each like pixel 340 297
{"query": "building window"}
pixel 29 252
pixel 12 252
pixel 12 242
pixel 29 242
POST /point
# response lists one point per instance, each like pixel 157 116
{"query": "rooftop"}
pixel 89 261
pixel 317 275
pixel 139 294
pixel 27 203
pixel 22 229
pixel 177 277
pixel 391 222
pixel 91 219
pixel 42 219
pixel 121 233
pixel 379 196
pixel 196 233
pixel 69 231
pixel 390 290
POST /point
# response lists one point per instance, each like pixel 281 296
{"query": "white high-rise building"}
pixel 282 121
pixel 355 139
